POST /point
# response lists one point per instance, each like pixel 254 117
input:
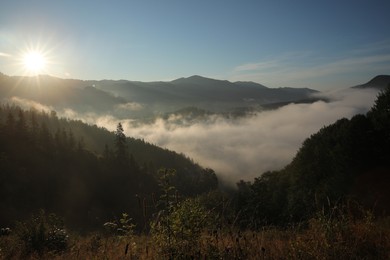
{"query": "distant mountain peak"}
pixel 378 82
pixel 196 79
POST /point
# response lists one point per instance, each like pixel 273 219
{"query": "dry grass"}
pixel 323 238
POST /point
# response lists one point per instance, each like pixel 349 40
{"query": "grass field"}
pixel 341 237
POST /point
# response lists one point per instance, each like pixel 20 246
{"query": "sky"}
pixel 318 44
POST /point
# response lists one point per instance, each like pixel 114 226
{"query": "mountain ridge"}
pixel 150 98
pixel 137 99
pixel 378 82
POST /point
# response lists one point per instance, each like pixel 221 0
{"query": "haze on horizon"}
pixel 322 45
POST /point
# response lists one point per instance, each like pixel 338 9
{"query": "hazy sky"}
pixel 319 44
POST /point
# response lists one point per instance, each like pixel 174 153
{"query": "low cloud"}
pixel 241 148
pixel 27 104
pixel 244 148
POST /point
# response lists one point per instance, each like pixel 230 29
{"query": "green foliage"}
pixel 169 194
pixel 177 228
pixel 123 227
pixel 126 225
pixel 177 234
pixel 43 232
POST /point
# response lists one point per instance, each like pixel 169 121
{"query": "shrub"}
pixel 178 233
pixel 124 227
pixel 42 232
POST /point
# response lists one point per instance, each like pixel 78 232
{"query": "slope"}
pixel 348 160
pixel 204 93
pixel 46 164
pixel 133 99
pixel 379 82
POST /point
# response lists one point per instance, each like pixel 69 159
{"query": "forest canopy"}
pixel 53 164
pixel 347 160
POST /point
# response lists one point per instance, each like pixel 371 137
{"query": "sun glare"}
pixel 34 62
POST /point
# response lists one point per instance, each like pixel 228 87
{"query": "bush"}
pixel 177 233
pixel 43 232
pixel 124 227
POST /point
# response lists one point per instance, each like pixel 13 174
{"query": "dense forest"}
pixel 330 202
pixel 55 164
pixel 347 160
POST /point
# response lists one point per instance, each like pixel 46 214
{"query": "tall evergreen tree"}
pixel 121 152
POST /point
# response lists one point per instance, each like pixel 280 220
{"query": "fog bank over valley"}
pixel 240 148
pixel 219 129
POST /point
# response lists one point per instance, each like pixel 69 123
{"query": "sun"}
pixel 34 62
pixel 35 58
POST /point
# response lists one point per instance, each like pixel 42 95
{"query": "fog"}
pixel 27 104
pixel 244 148
pixel 241 148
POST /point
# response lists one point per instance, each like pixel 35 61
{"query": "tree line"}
pixel 48 163
pixel 345 161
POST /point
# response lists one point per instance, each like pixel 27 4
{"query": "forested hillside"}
pixel 348 160
pixel 56 164
pixel 334 192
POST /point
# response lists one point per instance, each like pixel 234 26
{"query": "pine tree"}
pixel 121 152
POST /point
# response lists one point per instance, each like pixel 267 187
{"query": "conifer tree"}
pixel 121 152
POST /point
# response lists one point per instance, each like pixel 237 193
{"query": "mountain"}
pixel 379 82
pixel 137 100
pixel 239 92
pixel 58 93
pixel 204 93
pixel 134 99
